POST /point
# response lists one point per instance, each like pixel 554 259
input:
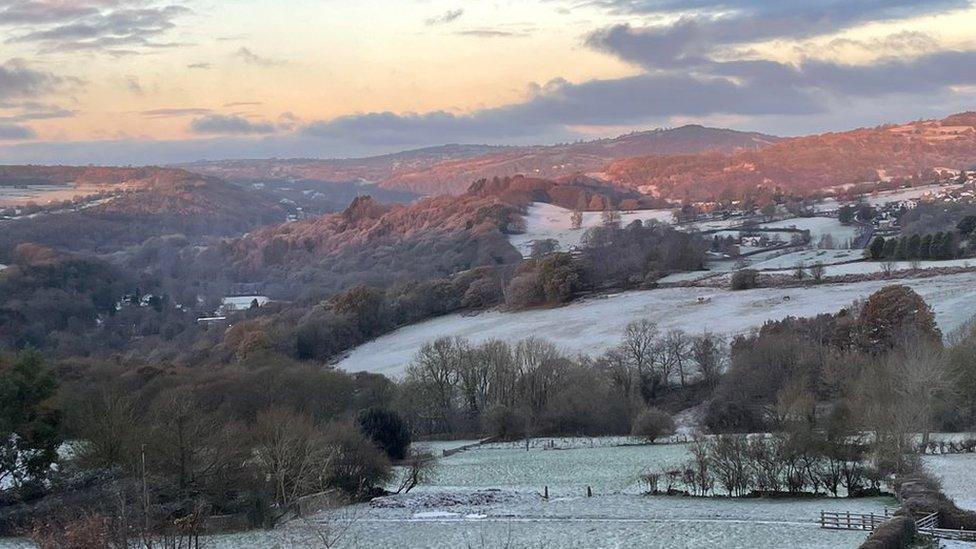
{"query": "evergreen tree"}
pixel 901 251
pixel 387 430
pixel 877 248
pixel 925 247
pixel 936 248
pixel 914 242
pixel 948 250
pixel 967 225
pixel 29 424
pixel 889 248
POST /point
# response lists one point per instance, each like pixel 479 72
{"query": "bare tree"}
pixel 817 271
pixel 576 220
pixel 437 366
pixel 290 450
pixel 640 340
pixel 418 466
pixel 923 381
pixel 610 215
pixel 707 352
pixel 677 345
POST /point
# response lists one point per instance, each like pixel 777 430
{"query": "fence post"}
pixel 545 492
pixel 589 493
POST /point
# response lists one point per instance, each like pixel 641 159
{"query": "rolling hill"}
pixel 139 203
pixel 807 164
pixel 452 168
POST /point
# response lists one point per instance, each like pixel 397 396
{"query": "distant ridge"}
pixel 452 168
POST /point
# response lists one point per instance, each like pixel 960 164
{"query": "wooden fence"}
pixel 852 521
pixel 927 525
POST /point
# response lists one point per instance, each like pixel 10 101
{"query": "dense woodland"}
pixel 181 432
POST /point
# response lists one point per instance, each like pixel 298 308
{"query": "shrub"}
pixel 559 277
pixel 652 423
pixel 744 279
pixel 504 422
pixel 356 466
pixel 482 293
pixel 387 431
pixel 524 291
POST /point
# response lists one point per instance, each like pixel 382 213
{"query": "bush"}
pixel 387 431
pixel 356 466
pixel 504 422
pixel 524 291
pixel 559 277
pixel 745 279
pixel 652 423
pixel 893 534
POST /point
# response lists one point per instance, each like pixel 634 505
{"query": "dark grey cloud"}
pixel 449 16
pixel 19 80
pixel 15 132
pixel 251 58
pixel 924 73
pixel 115 26
pixel 219 124
pixel 45 11
pixel 560 104
pixel 707 26
pixel 805 16
pixel 12 112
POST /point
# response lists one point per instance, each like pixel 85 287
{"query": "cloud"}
pixel 491 33
pixel 15 132
pixel 560 104
pixel 19 80
pixel 252 58
pixel 115 26
pixel 198 66
pixel 134 86
pixel 175 112
pixel 243 104
pixel 682 52
pixel 218 124
pixel 41 11
pixel 31 110
pixel 690 70
pixel 449 16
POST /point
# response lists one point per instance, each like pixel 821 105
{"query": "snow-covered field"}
pixel 807 257
pixel 818 227
pixel 926 191
pixel 869 267
pixel 958 474
pixel 594 325
pixel 490 497
pixel 548 221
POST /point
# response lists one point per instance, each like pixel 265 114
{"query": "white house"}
pixel 234 303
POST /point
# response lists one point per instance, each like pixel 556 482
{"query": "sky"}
pixel 166 81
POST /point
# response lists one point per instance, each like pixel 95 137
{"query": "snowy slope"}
pixel 595 325
pixel 818 226
pixel 548 221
